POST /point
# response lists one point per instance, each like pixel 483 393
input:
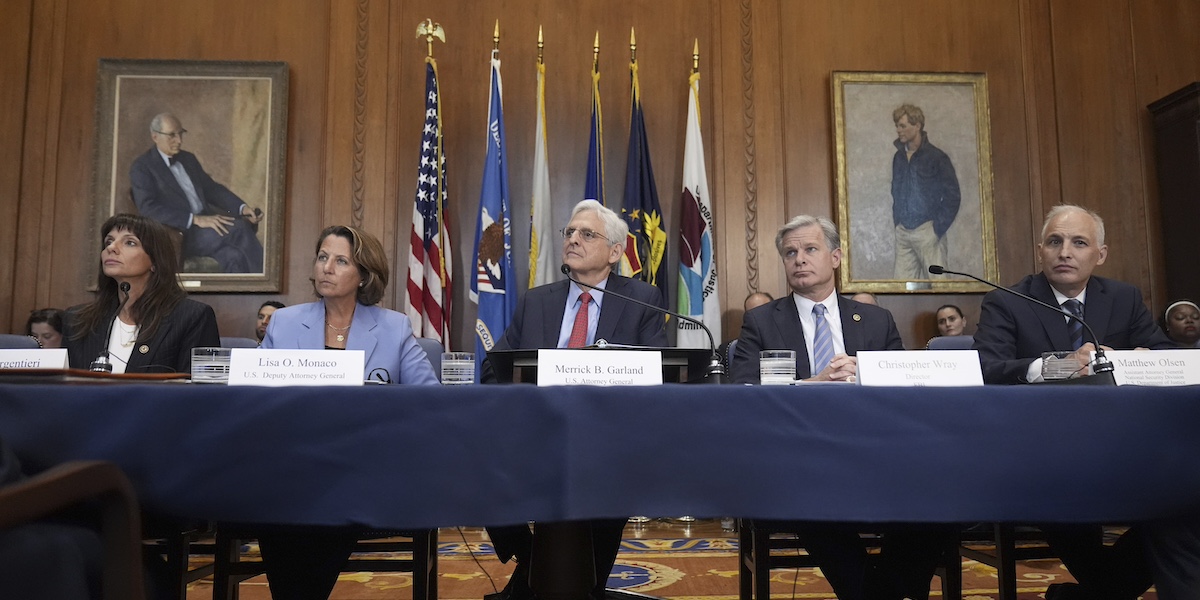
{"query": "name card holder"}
pixel 1156 367
pixel 256 366
pixel 917 368
pixel 599 367
pixel 29 358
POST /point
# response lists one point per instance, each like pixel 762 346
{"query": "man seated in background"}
pixel 865 298
pixel 265 311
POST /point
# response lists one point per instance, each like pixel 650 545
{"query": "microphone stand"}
pixel 102 364
pixel 715 372
pixel 1102 369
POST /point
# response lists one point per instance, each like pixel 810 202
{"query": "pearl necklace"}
pixel 341 337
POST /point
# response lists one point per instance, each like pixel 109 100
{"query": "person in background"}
pixel 752 301
pixel 865 298
pixel 349 275
pixel 265 311
pixel 1181 323
pixel 565 315
pixel 827 331
pixel 156 325
pixel 46 324
pixel 950 320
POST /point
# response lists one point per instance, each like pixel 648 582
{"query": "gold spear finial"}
pixel 541 44
pixel 429 30
pixel 696 56
pixel 496 36
pixel 596 52
pixel 632 46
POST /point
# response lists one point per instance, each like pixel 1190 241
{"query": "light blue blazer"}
pixel 385 336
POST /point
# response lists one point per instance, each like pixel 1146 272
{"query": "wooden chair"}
pixel 80 482
pixel 765 545
pixel 1008 544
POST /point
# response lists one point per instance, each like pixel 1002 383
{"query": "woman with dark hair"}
pixel 46 325
pixel 1181 322
pixel 950 320
pixel 350 276
pixel 150 323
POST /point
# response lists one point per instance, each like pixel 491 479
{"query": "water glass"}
pixel 777 367
pixel 458 368
pixel 210 365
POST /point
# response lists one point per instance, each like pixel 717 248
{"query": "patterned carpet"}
pixel 695 568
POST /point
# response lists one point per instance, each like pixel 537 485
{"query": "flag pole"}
pixel 541 46
pixel 430 30
pixel 696 56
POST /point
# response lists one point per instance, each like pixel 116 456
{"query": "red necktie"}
pixel 578 337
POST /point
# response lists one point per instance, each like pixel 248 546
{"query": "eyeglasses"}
pixel 587 234
pixel 173 135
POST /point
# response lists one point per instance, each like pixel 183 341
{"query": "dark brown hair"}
pixel 368 256
pixel 162 293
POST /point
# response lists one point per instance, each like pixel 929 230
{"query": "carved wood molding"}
pixel 360 115
pixel 748 150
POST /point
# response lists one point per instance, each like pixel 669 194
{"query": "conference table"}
pixel 405 457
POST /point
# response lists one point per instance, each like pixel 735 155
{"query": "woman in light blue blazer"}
pixel 350 274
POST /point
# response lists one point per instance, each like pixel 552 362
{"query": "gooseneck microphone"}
pixel 715 373
pixel 1103 365
pixel 102 364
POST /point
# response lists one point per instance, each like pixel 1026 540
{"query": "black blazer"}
pixel 1012 332
pixel 539 315
pixel 157 193
pixel 192 324
pixel 776 326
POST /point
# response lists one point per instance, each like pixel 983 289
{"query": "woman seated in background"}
pixel 1181 321
pixel 46 324
pixel 141 320
pixel 350 275
pixel 950 320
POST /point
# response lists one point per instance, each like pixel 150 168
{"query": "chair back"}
pixel 238 342
pixel 951 342
pixel 729 356
pixel 13 341
pixel 433 351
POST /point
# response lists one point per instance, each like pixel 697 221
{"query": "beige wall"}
pixel 1069 81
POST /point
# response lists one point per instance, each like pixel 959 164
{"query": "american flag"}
pixel 429 273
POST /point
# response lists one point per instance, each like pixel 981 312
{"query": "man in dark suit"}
pixel 1011 337
pixel 565 315
pixel 826 331
pixel 171 187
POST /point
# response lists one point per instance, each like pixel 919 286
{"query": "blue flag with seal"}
pixel 593 188
pixel 646 247
pixel 494 286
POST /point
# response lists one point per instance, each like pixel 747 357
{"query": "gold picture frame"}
pixel 875 229
pixel 235 114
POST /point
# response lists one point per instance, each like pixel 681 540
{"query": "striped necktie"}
pixel 822 340
pixel 1075 328
pixel 579 331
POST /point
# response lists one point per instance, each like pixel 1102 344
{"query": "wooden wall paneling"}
pixel 1041 129
pixel 15 31
pixel 1103 167
pixel 1167 57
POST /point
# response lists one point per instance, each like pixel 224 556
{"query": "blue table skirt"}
pixel 407 456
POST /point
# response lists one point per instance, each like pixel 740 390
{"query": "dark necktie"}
pixel 578 337
pixel 171 160
pixel 822 340
pixel 1075 328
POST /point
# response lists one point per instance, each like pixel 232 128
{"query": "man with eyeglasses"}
pixel 171 187
pixel 565 315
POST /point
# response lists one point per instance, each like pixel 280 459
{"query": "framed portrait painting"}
pixel 914 181
pixel 200 147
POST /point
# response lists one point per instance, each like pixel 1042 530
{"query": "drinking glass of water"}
pixel 458 368
pixel 210 365
pixel 777 367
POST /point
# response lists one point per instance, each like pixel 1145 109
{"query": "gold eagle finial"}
pixel 430 30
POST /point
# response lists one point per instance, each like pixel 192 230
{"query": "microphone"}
pixel 715 374
pixel 1102 367
pixel 102 364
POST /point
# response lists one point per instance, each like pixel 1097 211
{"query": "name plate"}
pixel 50 358
pixel 1155 367
pixel 256 366
pixel 599 367
pixel 917 368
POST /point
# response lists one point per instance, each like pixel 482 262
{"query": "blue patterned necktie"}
pixel 1075 328
pixel 822 340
